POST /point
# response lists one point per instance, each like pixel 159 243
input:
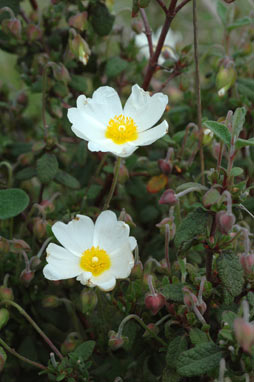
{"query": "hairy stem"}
pixel 114 183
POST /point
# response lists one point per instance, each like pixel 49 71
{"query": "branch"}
pixel 162 5
pixel 181 5
pixel 148 31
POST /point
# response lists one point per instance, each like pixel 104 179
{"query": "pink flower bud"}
pixel 12 26
pixel 225 221
pixel 48 206
pixel 33 32
pixel 116 341
pixel 39 227
pixel 189 298
pixel 26 276
pixel 165 166
pixel 244 333
pixel 154 302
pixel 247 262
pixel 202 307
pixel 22 99
pixel 3 358
pixel 137 26
pixel 61 73
pixel 6 293
pixel 168 197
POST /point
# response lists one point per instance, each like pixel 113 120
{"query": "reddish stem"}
pixel 148 31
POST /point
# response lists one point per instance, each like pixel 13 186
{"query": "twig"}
pixel 34 4
pixel 162 5
pixel 114 183
pixel 181 5
pixel 148 31
pixel 198 91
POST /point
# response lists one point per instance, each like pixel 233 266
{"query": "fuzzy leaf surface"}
pixel 231 274
pixel 12 202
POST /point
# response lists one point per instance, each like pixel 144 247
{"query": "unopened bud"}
pixel 6 293
pixel 116 341
pixel 51 302
pixel 33 32
pixel 48 206
pixel 247 262
pixel 189 298
pixel 154 328
pixel 70 343
pixel 126 218
pixel 3 358
pixel 154 302
pixel 22 99
pixel 207 136
pixel 34 262
pixel 80 48
pixel 202 307
pixel 244 333
pixel 165 166
pixel 26 276
pixel 78 21
pixel 225 79
pixel 225 221
pixel 39 227
pixel 4 317
pixel 168 197
pixel 61 73
pixel 89 301
pixel 12 26
pixel 137 25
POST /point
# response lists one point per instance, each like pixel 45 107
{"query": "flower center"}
pixel 121 129
pixel 95 260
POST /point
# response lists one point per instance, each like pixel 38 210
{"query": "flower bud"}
pixel 34 262
pixel 165 166
pixel 61 73
pixel 78 21
pixel 247 262
pixel 226 77
pixel 168 197
pixel 26 277
pixel 4 317
pixel 137 25
pixel 202 307
pixel 39 227
pixel 244 333
pixel 48 206
pixel 12 26
pixel 33 32
pixel 189 298
pixel 50 302
pixel 154 302
pixel 70 343
pixel 116 341
pixel 225 221
pixel 80 48
pixel 207 137
pixel 89 301
pixel 3 358
pixel 154 328
pixel 6 293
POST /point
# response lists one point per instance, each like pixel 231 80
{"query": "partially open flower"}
pixel 96 254
pixel 108 127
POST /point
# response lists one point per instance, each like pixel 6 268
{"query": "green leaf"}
pixel 170 375
pixel 222 11
pixel 238 121
pixel 26 173
pixel 229 317
pixel 200 360
pixel 175 348
pixel 85 350
pixel 198 337
pixel 47 167
pixel 221 131
pixel 236 171
pixel 12 202
pixel 115 66
pixel 102 20
pixel 191 228
pixel 173 292
pixel 78 83
pixel 244 142
pixel 66 179
pixel 240 23
pixel 231 274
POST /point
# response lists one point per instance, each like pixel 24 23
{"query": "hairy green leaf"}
pixel 221 131
pixel 102 20
pixel 199 360
pixel 85 350
pixel 26 173
pixel 66 179
pixel 47 167
pixel 198 337
pixel 243 21
pixel 115 66
pixel 238 120
pixel 244 142
pixel 12 202
pixel 173 292
pixel 175 348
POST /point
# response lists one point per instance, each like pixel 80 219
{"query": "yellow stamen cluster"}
pixel 95 260
pixel 121 129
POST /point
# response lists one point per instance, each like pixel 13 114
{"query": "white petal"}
pixel 122 151
pixel 106 281
pixel 132 242
pixel 62 264
pixel 144 109
pixel 85 126
pixel 77 235
pixel 149 136
pixel 122 262
pixel 109 233
pixel 84 277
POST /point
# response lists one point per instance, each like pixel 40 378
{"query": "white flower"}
pixel 170 42
pixel 96 254
pixel 106 126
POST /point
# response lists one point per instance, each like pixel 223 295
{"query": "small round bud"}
pixel 6 293
pixel 116 341
pixel 78 21
pixel 39 227
pixel 168 197
pixel 225 221
pixel 33 32
pixel 189 298
pixel 137 26
pixel 4 317
pixel 48 206
pixel 244 333
pixel 247 262
pixel 154 302
pixel 26 276
pixel 12 26
pixel 165 166
pixel 70 343
pixel 34 262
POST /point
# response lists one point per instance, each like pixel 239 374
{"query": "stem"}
pixel 201 289
pixel 150 284
pixel 44 246
pixel 144 326
pixel 76 324
pixel 180 6
pixel 229 201
pixel 167 237
pixel 9 168
pixel 220 157
pixel 33 323
pixel 44 94
pixel 191 189
pixel 113 185
pixel 162 5
pixel 148 31
pixel 21 357
pixel 198 91
pixel 246 311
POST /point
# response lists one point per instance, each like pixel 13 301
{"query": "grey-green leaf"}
pixel 12 202
pixel 102 20
pixel 115 66
pixel 85 350
pixel 173 292
pixel 221 131
pixel 244 142
pixel 26 173
pixel 66 179
pixel 198 337
pixel 242 22
pixel 47 167
pixel 230 273
pixel 199 361
pixel 175 348
pixel 191 228
pixel 238 120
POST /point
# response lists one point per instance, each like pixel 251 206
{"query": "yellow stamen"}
pixel 95 260
pixel 121 129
